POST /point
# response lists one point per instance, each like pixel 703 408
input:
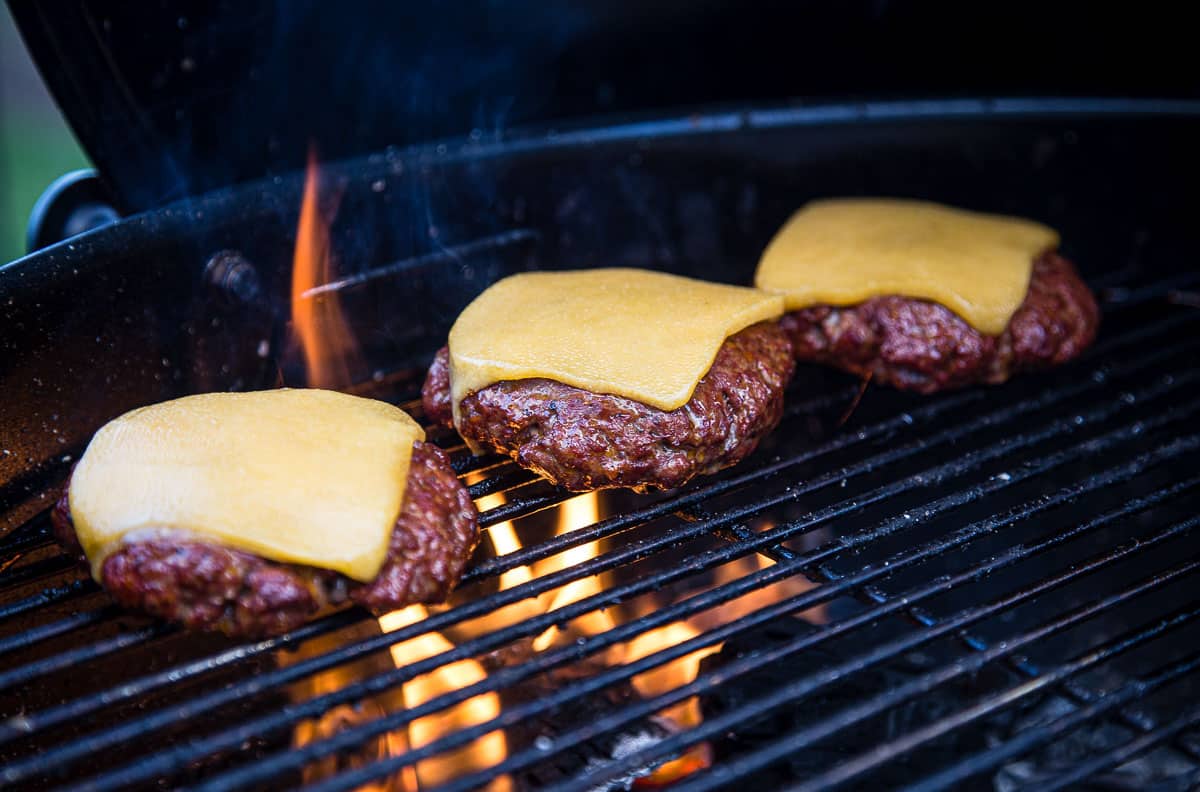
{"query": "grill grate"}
pixel 1041 527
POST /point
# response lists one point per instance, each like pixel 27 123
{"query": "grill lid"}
pixel 179 97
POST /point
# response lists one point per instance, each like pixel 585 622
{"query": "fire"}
pixel 331 353
pixel 682 670
pixel 670 675
pixel 331 356
pixel 483 752
pixel 343 717
pixel 504 540
pixel 574 514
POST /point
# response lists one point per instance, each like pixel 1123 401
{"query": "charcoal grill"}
pixel 999 585
pixel 1027 552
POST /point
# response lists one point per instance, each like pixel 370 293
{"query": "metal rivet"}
pixel 235 277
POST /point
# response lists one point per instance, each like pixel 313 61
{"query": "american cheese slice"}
pixel 301 476
pixel 845 251
pixel 644 335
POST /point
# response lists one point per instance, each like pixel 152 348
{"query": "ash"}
pixel 1160 770
pixel 625 745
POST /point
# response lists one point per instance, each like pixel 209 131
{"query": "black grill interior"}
pixel 998 589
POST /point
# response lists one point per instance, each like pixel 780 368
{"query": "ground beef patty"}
pixel 210 587
pixel 583 440
pixel 923 346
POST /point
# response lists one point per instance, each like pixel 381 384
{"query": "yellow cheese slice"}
pixel 301 476
pixel 845 251
pixel 644 335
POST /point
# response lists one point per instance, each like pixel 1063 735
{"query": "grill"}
pixel 1134 409
pixel 998 586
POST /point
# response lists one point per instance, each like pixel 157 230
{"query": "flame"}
pixel 331 360
pixel 337 720
pixel 477 755
pixel 684 715
pixel 330 351
pixel 676 673
pixel 670 675
pixel 504 539
pixel 574 514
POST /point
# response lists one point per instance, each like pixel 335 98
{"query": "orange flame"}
pixel 477 755
pixel 331 358
pixel 574 514
pixel 676 673
pixel 330 351
pixel 504 540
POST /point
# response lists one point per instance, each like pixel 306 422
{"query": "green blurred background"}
pixel 36 147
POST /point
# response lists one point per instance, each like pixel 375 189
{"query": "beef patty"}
pixel 210 587
pixel 583 440
pixel 923 346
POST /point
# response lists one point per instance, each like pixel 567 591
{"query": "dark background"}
pixel 174 98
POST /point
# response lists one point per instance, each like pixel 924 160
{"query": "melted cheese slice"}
pixel 844 251
pixel 643 335
pixel 300 476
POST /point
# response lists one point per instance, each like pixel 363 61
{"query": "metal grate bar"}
pixel 873 596
pixel 293 759
pixel 81 654
pixel 33 535
pixel 44 568
pixel 800 688
pixel 469 463
pixel 1038 735
pixel 1117 297
pixel 524 506
pixel 816 597
pixel 1029 739
pixel 27 724
pixel 60 755
pixel 49 596
pixel 1018 665
pixel 33 635
pixel 1131 750
pixel 503 483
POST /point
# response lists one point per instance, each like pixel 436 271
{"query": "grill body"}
pixel 1009 568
